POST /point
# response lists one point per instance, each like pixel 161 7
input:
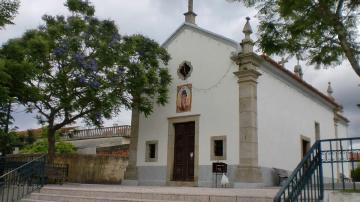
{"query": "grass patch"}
pixel 350 191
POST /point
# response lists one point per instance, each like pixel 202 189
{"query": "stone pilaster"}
pixel 131 176
pixel 248 170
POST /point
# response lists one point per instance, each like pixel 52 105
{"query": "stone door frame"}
pixel 171 145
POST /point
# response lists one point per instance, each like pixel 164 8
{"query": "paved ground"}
pixel 262 192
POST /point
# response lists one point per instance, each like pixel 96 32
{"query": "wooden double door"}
pixel 184 151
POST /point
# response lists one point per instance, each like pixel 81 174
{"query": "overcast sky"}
pixel 158 19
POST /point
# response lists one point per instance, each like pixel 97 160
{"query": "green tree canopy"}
pixel 144 80
pixel 14 71
pixel 85 70
pixel 8 83
pixel 4 92
pixel 8 10
pixel 7 142
pixel 321 32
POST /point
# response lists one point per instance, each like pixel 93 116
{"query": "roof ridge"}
pixel 231 42
pixel 301 81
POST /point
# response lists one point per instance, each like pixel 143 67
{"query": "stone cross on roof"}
pixel 283 61
pixel 191 6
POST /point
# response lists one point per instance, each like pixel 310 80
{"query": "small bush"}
pixel 355 174
pixel 39 146
pixel 30 138
pixel 65 148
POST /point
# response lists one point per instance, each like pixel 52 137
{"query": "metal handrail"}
pixel 11 162
pixel 18 168
pixel 306 181
pixel 23 180
pixel 340 139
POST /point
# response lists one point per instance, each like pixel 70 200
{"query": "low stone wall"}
pixel 93 169
pixel 338 196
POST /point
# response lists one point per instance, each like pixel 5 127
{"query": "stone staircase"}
pixel 117 193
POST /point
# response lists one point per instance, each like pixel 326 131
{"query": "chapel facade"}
pixel 228 104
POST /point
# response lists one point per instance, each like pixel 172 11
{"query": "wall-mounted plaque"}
pixel 184 98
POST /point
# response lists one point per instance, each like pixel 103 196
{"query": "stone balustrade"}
pixel 115 131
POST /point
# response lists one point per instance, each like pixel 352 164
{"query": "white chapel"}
pixel 228 105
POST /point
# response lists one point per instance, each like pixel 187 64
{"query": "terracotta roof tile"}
pixel 301 81
pixel 343 118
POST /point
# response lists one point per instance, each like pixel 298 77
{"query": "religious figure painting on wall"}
pixel 183 98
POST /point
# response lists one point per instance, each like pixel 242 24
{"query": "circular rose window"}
pixel 184 70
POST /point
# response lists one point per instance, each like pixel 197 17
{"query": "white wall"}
pixel 342 130
pixel 284 114
pixel 218 106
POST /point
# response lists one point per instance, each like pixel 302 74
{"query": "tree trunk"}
pixel 345 44
pixel 8 116
pixel 350 53
pixel 131 170
pixel 51 145
pixel 342 33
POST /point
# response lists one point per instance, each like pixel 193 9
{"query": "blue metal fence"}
pixel 337 158
pixel 8 163
pixel 306 182
pixel 21 181
pixel 340 158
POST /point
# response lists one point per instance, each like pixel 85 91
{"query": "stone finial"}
pixel 247 43
pixel 190 15
pixel 298 70
pixel 247 29
pixel 330 91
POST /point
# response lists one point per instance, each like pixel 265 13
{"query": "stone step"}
pixel 138 193
pixel 33 200
pixel 124 194
pixel 69 198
